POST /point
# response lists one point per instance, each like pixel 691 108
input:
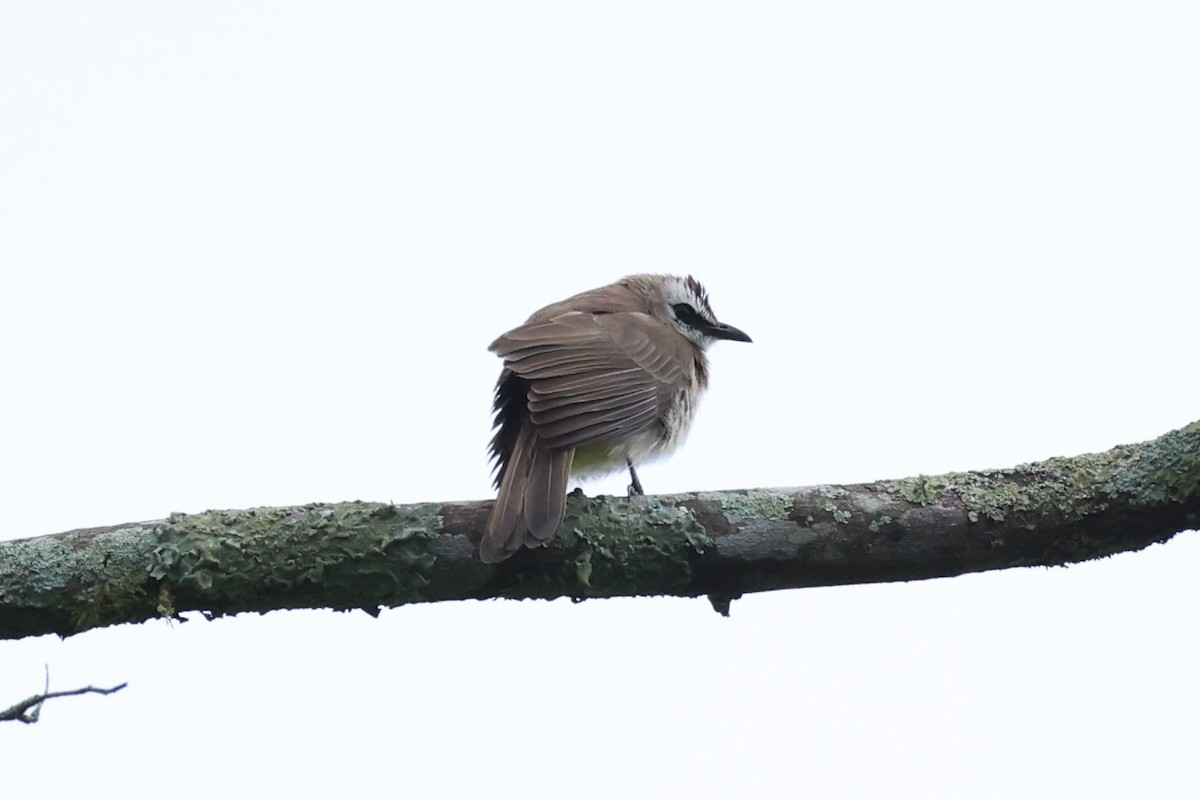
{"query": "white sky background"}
pixel 252 254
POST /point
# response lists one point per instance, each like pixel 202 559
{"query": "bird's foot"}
pixel 635 488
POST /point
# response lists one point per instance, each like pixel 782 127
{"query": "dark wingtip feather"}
pixel 510 410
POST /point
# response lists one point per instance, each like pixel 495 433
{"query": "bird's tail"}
pixel 532 498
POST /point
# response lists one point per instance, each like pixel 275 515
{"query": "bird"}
pixel 604 380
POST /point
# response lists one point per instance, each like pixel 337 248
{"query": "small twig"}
pixel 30 709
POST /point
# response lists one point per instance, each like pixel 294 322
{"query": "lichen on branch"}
pixel 719 544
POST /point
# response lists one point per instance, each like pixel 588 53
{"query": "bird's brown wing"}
pixel 596 378
pixel 592 378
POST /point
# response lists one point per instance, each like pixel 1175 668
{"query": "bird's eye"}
pixel 686 314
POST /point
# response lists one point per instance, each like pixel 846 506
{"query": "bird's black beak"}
pixel 719 330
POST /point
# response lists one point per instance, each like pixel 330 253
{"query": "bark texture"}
pixel 719 544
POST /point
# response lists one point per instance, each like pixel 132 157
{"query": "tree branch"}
pixel 29 710
pixel 720 544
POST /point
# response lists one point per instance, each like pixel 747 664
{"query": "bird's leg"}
pixel 635 488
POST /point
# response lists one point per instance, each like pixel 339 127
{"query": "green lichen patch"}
pixel 756 504
pixel 1147 474
pixel 47 563
pixel 992 497
pixel 92 584
pixel 1167 468
pixel 923 490
pixel 339 555
pixel 166 603
pixel 108 603
pixel 840 515
pixel 880 523
pixel 1057 487
pixel 627 545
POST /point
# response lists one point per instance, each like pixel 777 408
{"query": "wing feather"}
pixel 553 409
pixel 587 415
pixel 546 494
pixel 596 378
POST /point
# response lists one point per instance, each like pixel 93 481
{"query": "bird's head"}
pixel 682 303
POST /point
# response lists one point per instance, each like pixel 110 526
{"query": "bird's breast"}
pixel 605 457
pixel 657 441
